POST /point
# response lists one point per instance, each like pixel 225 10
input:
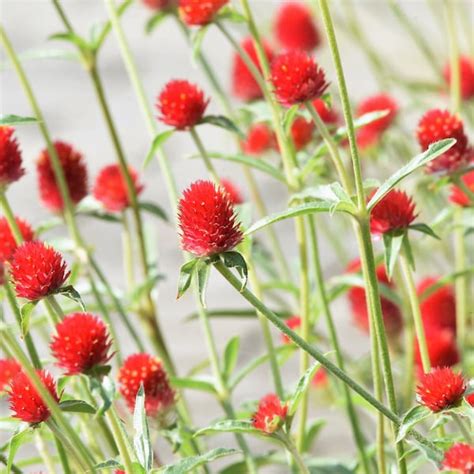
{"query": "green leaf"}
pixel 109 464
pixel 231 14
pixel 77 406
pixel 186 273
pixel 197 38
pixel 154 209
pixel 231 426
pixel 434 151
pixel 202 271
pixel 155 20
pixel 71 293
pixel 26 311
pixel 191 463
pixel 312 433
pixel 105 387
pixel 411 418
pixel 425 229
pixel 141 438
pixel 392 245
pixel 77 40
pixel 157 142
pixel 99 214
pixel 193 383
pixel 16 120
pixel 231 354
pixel 301 388
pixel 289 117
pixel 328 466
pixel 237 261
pixel 222 122
pixel 144 288
pixel 14 444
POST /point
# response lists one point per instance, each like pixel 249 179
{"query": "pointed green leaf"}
pixel 26 311
pixel 141 438
pixel 229 13
pixel 231 426
pixel 222 122
pixel 203 271
pixel 77 406
pixel 14 444
pixel 185 276
pixel 312 433
pixel 231 354
pixel 157 142
pixel 301 388
pixel 71 293
pixel 392 245
pixel 425 229
pixel 193 383
pixel 72 38
pixel 289 118
pixel 99 214
pixel 105 388
pixel 411 418
pixel 237 261
pixel 154 209
pixel 155 20
pixel 16 120
pixel 109 464
pixel 197 38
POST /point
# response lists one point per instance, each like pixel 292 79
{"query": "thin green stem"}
pixel 63 458
pixel 122 443
pixel 45 454
pixel 455 80
pixel 465 430
pixel 290 446
pixel 127 253
pixel 202 151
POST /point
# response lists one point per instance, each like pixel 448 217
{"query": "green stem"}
pixel 122 443
pixel 202 151
pixel 468 437
pixel 290 446
pixel 127 253
pixel 63 459
pixel 455 81
pixel 45 454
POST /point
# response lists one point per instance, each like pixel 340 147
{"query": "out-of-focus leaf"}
pixel 141 438
pixel 155 20
pixel 222 122
pixel 193 383
pixel 231 354
pixel 301 388
pixel 16 120
pixel 154 209
pixel 157 142
pixel 190 464
pixel 77 406
pixel 19 438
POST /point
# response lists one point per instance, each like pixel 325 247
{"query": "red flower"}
pixel 377 103
pixel 439 124
pixel 270 414
pixel 294 322
pixel 207 220
pixel 470 399
pixel 25 401
pixel 297 78
pixel 8 369
pixel 460 457
pixel 11 169
pixel 37 270
pixel 260 138
pixel 110 188
pixel 199 12
pixel 2 274
pixel 320 378
pixel 181 104
pixel 295 28
pixel 81 343
pixel 393 213
pixel 466 70
pixel 458 196
pixel 301 132
pixel 438 310
pixel 442 349
pixel 328 115
pixel 148 370
pixel 75 173
pixel 244 85
pixel 441 389
pixel 391 314
pixel 159 4
pixel 8 243
pixel 232 191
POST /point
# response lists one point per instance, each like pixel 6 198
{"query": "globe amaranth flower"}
pixel 81 343
pixel 11 165
pixel 8 243
pixel 270 414
pixel 460 458
pixel 8 369
pixel 438 309
pixel 327 114
pixel 25 402
pixel 244 85
pixel 458 196
pixel 440 389
pixel 181 104
pixel 75 174
pixel 296 78
pixel 207 220
pixel 392 316
pixel 442 348
pixel 199 12
pixel 392 214
pixel 437 125
pixel 158 5
pixel 232 191
pixel 301 132
pixel 110 187
pixel 260 139
pixel 295 28
pixel 320 378
pixel 37 270
pixel 294 323
pixel 466 76
pixel 147 370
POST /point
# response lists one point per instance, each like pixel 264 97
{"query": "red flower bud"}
pixel 466 70
pixel 457 195
pixel 270 414
pixel 260 138
pixel 294 322
pixel 328 115
pixel 11 168
pixel 8 369
pixel 232 191
pixel 8 243
pixel 442 348
pixel 199 12
pixel 301 132
pixel 459 457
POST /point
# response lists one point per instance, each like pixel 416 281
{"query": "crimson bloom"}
pixel 147 370
pixel 232 191
pixel 441 389
pixel 158 4
pixel 81 343
pixel 260 138
pixel 8 369
pixel 301 132
pixel 199 12
pixel 244 85
pixel 25 402
pixel 442 348
pixel 459 457
pixel 8 243
pixel 75 173
pixel 207 220
pixel 110 188
pixel 270 414
pixel 297 78
pixel 37 270
pixel 327 114
pixel 294 322
pixel 320 378
pixel 466 76
pixel 439 124
pixel 181 104
pixel 11 168
pixel 295 28
pixel 458 196
pixel 393 213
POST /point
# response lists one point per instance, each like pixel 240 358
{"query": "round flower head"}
pixel 270 414
pixel 466 70
pixel 328 115
pixel 75 173
pixel 442 348
pixel 260 138
pixel 440 389
pixel 457 195
pixel 8 369
pixel 25 401
pixel 295 28
pixel 199 12
pixel 244 85
pixel 437 125
pixel 8 243
pixel 148 370
pixel 232 191
pixel 11 168
pixel 393 213
pixel 296 78
pixel 158 4
pixel 460 458
pixel 110 188
pixel 37 270
pixel 81 343
pixel 294 322
pixel 301 132
pixel 207 220
pixel 320 378
pixel 392 317
pixel 181 104
pixel 438 310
